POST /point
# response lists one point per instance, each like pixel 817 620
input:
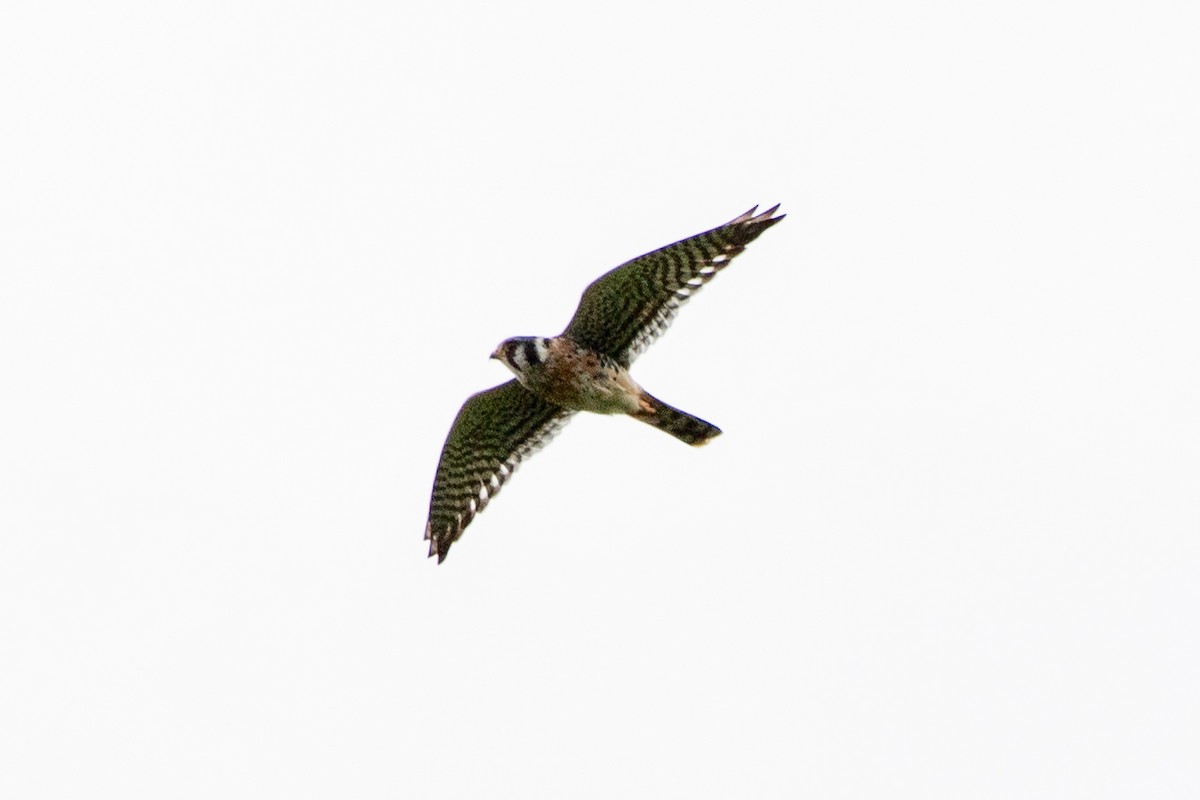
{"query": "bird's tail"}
pixel 681 425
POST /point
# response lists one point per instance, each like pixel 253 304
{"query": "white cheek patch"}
pixel 542 348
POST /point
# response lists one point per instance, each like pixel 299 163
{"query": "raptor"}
pixel 584 368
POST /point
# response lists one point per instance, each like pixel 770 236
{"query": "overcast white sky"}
pixel 255 255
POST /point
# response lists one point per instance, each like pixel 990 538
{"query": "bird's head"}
pixel 521 352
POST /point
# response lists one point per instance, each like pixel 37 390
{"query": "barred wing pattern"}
pixel 493 432
pixel 623 311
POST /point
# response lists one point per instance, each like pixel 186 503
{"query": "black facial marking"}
pixel 531 356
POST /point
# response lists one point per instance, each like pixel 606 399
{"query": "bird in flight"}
pixel 584 368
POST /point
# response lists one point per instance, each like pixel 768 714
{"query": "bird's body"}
pixel 585 368
pixel 562 372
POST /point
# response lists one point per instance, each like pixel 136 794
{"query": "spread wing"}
pixel 493 432
pixel 624 310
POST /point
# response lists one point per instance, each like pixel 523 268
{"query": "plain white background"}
pixel 255 255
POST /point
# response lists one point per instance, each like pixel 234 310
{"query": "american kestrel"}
pixel 584 368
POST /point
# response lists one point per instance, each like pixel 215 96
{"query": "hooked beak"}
pixel 496 352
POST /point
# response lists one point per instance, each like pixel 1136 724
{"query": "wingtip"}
pixel 437 550
pixel 766 218
pixel 743 217
pixel 753 217
pixel 437 545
